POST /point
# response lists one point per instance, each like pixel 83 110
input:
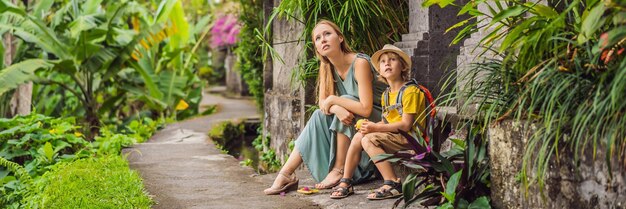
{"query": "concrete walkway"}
pixel 181 168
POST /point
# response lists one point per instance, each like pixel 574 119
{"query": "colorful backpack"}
pixel 431 117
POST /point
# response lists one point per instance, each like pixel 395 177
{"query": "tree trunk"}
pixel 22 98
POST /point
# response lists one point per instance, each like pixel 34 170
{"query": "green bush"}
pixel 227 132
pixel 105 182
pixel 36 141
pixel 248 51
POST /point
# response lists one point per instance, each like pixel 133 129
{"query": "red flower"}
pixel 604 40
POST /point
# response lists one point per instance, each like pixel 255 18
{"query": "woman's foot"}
pixel 331 180
pixel 344 189
pixel 390 189
pixel 282 183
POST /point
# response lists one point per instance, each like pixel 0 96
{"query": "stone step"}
pixel 409 51
pixel 406 44
pixel 414 36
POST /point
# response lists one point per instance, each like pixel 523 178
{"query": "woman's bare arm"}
pixel 364 77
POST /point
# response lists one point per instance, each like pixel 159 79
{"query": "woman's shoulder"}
pixel 363 56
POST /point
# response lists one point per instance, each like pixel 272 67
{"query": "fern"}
pixel 21 173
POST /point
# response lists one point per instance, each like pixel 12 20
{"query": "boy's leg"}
pixel 335 173
pixel 384 167
pixel 352 160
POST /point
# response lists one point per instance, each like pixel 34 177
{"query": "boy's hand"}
pixel 368 127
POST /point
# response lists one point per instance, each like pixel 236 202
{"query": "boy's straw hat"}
pixel 390 48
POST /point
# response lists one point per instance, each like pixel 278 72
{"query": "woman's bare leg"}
pixel 290 166
pixel 335 173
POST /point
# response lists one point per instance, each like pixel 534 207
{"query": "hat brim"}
pixel 399 52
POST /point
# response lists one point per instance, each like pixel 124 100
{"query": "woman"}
pixel 346 87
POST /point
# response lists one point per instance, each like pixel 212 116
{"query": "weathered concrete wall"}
pixel 565 186
pixel 284 102
pixel 234 80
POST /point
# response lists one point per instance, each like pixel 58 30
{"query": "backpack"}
pixel 431 117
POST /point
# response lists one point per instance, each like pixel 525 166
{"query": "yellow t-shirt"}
pixel 412 102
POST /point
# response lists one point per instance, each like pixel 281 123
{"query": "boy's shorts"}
pixel 390 142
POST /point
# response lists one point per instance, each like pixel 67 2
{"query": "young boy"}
pixel 394 66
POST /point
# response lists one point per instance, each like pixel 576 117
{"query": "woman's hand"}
pixel 327 103
pixel 345 116
pixel 368 127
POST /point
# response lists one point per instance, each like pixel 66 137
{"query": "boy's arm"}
pixel 404 125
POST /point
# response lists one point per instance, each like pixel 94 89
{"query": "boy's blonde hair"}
pixel 406 71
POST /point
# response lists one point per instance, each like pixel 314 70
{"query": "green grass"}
pixel 105 182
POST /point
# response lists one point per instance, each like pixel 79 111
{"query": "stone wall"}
pixel 428 44
pixel 589 186
pixel 284 101
pixel 234 80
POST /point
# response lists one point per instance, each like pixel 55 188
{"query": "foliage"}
pixel 368 25
pixel 227 132
pixel 249 51
pixel 562 67
pixel 91 47
pixel 269 161
pixel 20 186
pixel 459 177
pixel 104 182
pixel 38 143
pixel 35 142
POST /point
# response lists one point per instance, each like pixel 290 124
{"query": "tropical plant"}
pixel 35 142
pixel 248 49
pixel 562 68
pixel 457 178
pixel 91 47
pixel 368 24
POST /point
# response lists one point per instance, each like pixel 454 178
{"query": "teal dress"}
pixel 317 142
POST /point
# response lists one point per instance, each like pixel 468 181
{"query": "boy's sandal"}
pixel 323 185
pixel 343 191
pixel 384 193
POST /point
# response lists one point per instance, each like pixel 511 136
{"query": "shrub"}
pixel 104 182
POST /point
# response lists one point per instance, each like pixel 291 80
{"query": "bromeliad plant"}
pixel 457 178
pixel 562 68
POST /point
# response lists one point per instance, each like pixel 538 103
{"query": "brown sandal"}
pixel 289 186
pixel 330 186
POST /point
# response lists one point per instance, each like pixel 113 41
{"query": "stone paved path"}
pixel 181 168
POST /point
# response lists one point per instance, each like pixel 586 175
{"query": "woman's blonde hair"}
pixel 406 72
pixel 325 73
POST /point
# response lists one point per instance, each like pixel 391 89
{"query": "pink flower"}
pixel 225 31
